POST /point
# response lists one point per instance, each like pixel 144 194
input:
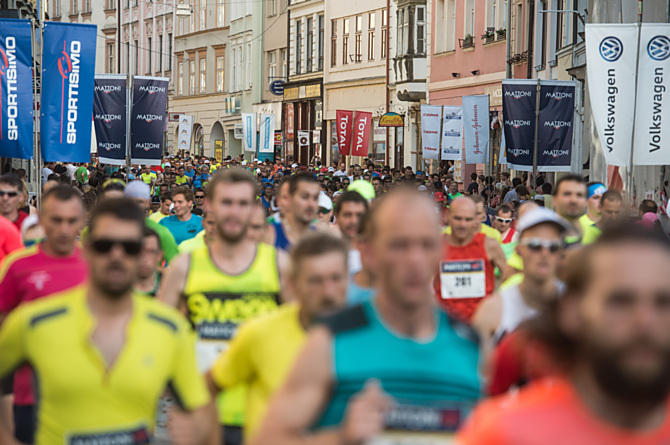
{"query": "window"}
pixel 420 30
pixel 191 76
pixel 169 59
pixel 345 43
pixel 238 66
pixel 543 38
pixel 319 48
pixel 159 68
pixel 282 56
pixel 126 4
pixel 180 78
pixel 191 23
pixel 203 15
pixel 203 73
pixel 111 4
pixel 149 47
pixel 233 71
pixel 519 28
pixel 309 57
pixel 384 34
pixel 111 58
pixel 87 5
pixel 469 18
pixel 450 26
pixel 333 43
pixel 359 39
pixel 371 36
pixel 298 46
pixel 219 73
pixel 272 66
pixel 560 25
pixel 75 7
pixel 220 13
pixel 56 11
pixel 272 7
pixel 137 57
pixel 248 68
pixel 402 33
pixel 359 23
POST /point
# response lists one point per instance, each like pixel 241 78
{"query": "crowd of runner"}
pixel 205 302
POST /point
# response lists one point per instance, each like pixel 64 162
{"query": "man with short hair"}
pixel 504 220
pixel 183 224
pixel 148 177
pixel 610 332
pixel 151 256
pixel 512 194
pixel 570 203
pixel 11 196
pixel 164 209
pixel 378 186
pixel 610 207
pixel 349 213
pixel 181 178
pixel 262 359
pixel 647 206
pixel 199 198
pixel 453 191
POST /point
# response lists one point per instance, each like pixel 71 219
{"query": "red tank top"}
pixel 464 278
pixel 510 235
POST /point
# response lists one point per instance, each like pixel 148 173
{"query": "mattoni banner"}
pixel 519 98
pixel 452 133
pixel 431 115
pixel 611 54
pixel 267 133
pixel 16 89
pixel 147 121
pixel 109 118
pixel 557 111
pixel 185 132
pixel 345 130
pixel 476 132
pixel 68 70
pixel 362 130
pixel 249 131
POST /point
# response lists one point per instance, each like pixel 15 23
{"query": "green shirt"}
pixel 81 174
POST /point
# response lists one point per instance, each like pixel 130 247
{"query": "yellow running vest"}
pixel 219 303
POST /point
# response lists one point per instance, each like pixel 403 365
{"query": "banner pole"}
pixel 535 141
pixel 129 109
pixel 631 199
pixel 37 106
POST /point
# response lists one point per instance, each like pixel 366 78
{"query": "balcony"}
pixel 410 77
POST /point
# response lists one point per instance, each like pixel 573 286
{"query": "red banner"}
pixel 362 128
pixel 345 120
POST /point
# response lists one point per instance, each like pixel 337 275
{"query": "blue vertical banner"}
pixel 109 118
pixel 519 98
pixel 16 89
pixel 68 69
pixel 557 110
pixel 147 121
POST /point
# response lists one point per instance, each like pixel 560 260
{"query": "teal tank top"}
pixel 440 374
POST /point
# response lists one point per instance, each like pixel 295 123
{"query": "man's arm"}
pixel 12 354
pixel 270 235
pixel 485 321
pixel 174 281
pixel 284 269
pixel 497 257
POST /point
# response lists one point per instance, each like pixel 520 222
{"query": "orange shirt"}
pixel 548 412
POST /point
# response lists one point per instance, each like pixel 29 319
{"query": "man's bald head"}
pixel 463 205
pixel 392 205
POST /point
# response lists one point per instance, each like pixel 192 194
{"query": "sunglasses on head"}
pixel 10 194
pixel 536 244
pixel 130 247
pixel 504 220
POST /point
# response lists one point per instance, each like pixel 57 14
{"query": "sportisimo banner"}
pixel 68 68
pixel 611 55
pixel 476 129
pixel 652 120
pixel 249 131
pixel 431 115
pixel 147 121
pixel 16 95
pixel 267 134
pixel 557 110
pixel 345 125
pixel 362 130
pixel 109 117
pixel 519 122
pixel 452 133
pixel 185 129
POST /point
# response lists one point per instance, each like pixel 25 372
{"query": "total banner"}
pixel 147 121
pixel 185 131
pixel 249 131
pixel 452 133
pixel 431 117
pixel 557 111
pixel 109 118
pixel 476 129
pixel 16 89
pixel 345 130
pixel 652 119
pixel 68 70
pixel 362 130
pixel 519 97
pixel 267 134
pixel 611 54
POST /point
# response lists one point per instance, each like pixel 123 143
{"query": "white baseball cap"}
pixel 325 202
pixel 542 215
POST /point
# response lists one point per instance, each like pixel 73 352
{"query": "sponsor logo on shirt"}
pixel 128 437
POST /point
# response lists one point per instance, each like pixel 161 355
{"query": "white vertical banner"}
pixel 431 116
pixel 267 133
pixel 185 130
pixel 652 138
pixel 249 131
pixel 452 133
pixel 476 129
pixel 611 56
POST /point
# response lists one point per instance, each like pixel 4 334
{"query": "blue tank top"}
pixel 281 241
pixel 438 373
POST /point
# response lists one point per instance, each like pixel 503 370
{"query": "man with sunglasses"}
pixel 541 245
pixel 103 354
pixel 52 266
pixel 199 197
pixel 11 195
pixel 503 222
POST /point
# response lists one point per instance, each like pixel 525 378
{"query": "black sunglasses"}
pixel 10 194
pixel 199 196
pixel 130 247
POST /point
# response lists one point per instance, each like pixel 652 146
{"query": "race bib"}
pixel 207 353
pixel 462 279
pixel 137 436
pixel 419 425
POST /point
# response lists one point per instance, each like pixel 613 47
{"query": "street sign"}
pixel 173 117
pixel 391 120
pixel 277 87
pixel 303 138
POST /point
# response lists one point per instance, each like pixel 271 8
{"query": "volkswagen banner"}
pixel 652 121
pixel 611 59
pixel 557 110
pixel 68 69
pixel 519 122
pixel 147 121
pixel 109 118
pixel 249 131
pixel 16 89
pixel 431 115
pixel 476 132
pixel 267 134
pixel 452 133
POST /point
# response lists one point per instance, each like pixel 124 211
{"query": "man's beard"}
pixel 114 291
pixel 625 385
pixel 231 238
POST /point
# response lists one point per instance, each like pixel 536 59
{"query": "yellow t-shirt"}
pixel 148 178
pixel 486 230
pixel 156 217
pixel 261 355
pixel 197 242
pixel 81 398
pixel 179 180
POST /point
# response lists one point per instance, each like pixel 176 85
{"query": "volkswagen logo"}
pixel 611 48
pixel 659 48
